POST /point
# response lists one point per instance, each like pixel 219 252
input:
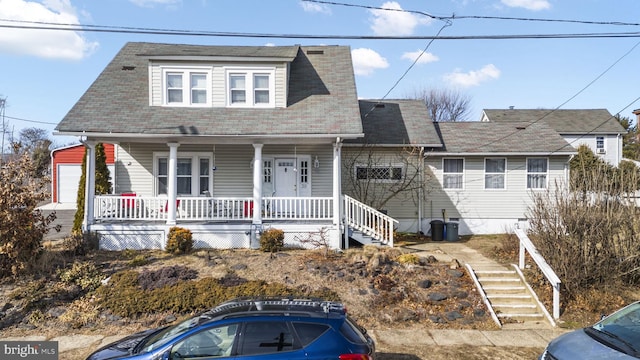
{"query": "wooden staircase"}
pixel 509 296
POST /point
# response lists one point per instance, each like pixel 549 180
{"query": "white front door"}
pixel 286 179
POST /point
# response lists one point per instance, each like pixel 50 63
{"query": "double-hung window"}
pixel 495 173
pixel 251 87
pixel 193 174
pixel 379 172
pixel 537 173
pixel 452 173
pixel 187 87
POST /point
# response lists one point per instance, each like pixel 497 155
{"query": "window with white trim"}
pixel 304 171
pixel 599 142
pixel 379 172
pixel 452 173
pixel 186 87
pixel 495 173
pixel 537 173
pixel 267 170
pixel 251 87
pixel 193 174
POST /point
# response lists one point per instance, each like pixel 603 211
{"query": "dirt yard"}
pixel 382 289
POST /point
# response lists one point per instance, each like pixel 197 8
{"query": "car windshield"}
pixel 160 338
pixel 623 325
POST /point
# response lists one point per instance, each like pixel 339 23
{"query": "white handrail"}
pixel 369 220
pixel 527 245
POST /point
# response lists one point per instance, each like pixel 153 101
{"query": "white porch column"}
pixel 172 189
pixel 337 194
pixel 257 196
pixel 90 184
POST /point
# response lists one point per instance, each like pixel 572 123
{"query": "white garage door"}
pixel 68 179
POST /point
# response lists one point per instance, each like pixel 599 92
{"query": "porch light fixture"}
pixel 316 162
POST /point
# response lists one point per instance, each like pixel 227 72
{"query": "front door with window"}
pixel 286 178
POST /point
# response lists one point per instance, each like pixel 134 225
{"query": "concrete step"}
pixel 520 317
pixel 505 290
pixel 515 308
pixel 508 296
pixel 511 299
pixel 503 273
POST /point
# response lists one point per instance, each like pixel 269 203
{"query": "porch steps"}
pixel 509 296
pixel 362 237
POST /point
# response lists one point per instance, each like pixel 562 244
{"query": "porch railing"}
pixel 131 207
pixel 369 220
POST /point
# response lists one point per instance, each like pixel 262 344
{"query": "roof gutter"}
pixel 537 153
pixel 187 136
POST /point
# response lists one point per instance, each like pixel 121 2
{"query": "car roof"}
pixel 251 307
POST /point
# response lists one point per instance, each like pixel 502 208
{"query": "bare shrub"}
pixel 589 235
pixel 318 240
pixel 22 226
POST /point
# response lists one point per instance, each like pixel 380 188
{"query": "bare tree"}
pixel 375 176
pixel 444 104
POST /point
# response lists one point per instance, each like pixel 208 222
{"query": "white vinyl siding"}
pixel 477 203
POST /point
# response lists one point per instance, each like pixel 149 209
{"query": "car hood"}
pixel 121 347
pixel 578 345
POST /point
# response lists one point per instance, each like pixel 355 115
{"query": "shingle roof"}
pixel 585 121
pixel 396 122
pixel 474 137
pixel 322 97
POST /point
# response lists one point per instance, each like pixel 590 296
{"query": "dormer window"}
pixel 250 87
pixel 187 87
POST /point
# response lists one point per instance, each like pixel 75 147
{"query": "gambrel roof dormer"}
pixel 177 91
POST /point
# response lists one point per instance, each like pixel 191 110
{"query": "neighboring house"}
pixel 596 128
pixel 225 141
pixel 484 175
pixel 66 164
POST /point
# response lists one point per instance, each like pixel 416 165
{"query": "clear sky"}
pixel 44 72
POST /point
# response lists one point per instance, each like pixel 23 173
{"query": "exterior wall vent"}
pixel 128 68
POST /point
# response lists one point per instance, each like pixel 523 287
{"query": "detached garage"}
pixel 67 169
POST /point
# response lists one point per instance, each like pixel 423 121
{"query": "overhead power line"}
pixel 480 17
pixel 33 25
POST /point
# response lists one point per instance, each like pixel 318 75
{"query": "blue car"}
pixel 261 328
pixel 615 337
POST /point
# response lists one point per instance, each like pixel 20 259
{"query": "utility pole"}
pixel 3 102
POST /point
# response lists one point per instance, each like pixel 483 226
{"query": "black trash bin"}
pixel 437 230
pixel 452 231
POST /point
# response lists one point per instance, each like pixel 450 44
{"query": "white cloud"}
pixel 473 78
pixel 53 44
pixel 534 5
pixel 392 22
pixel 366 61
pixel 423 57
pixel 152 3
pixel 315 7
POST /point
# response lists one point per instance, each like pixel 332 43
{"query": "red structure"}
pixel 66 163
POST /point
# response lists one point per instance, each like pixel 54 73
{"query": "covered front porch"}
pixel 289 187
